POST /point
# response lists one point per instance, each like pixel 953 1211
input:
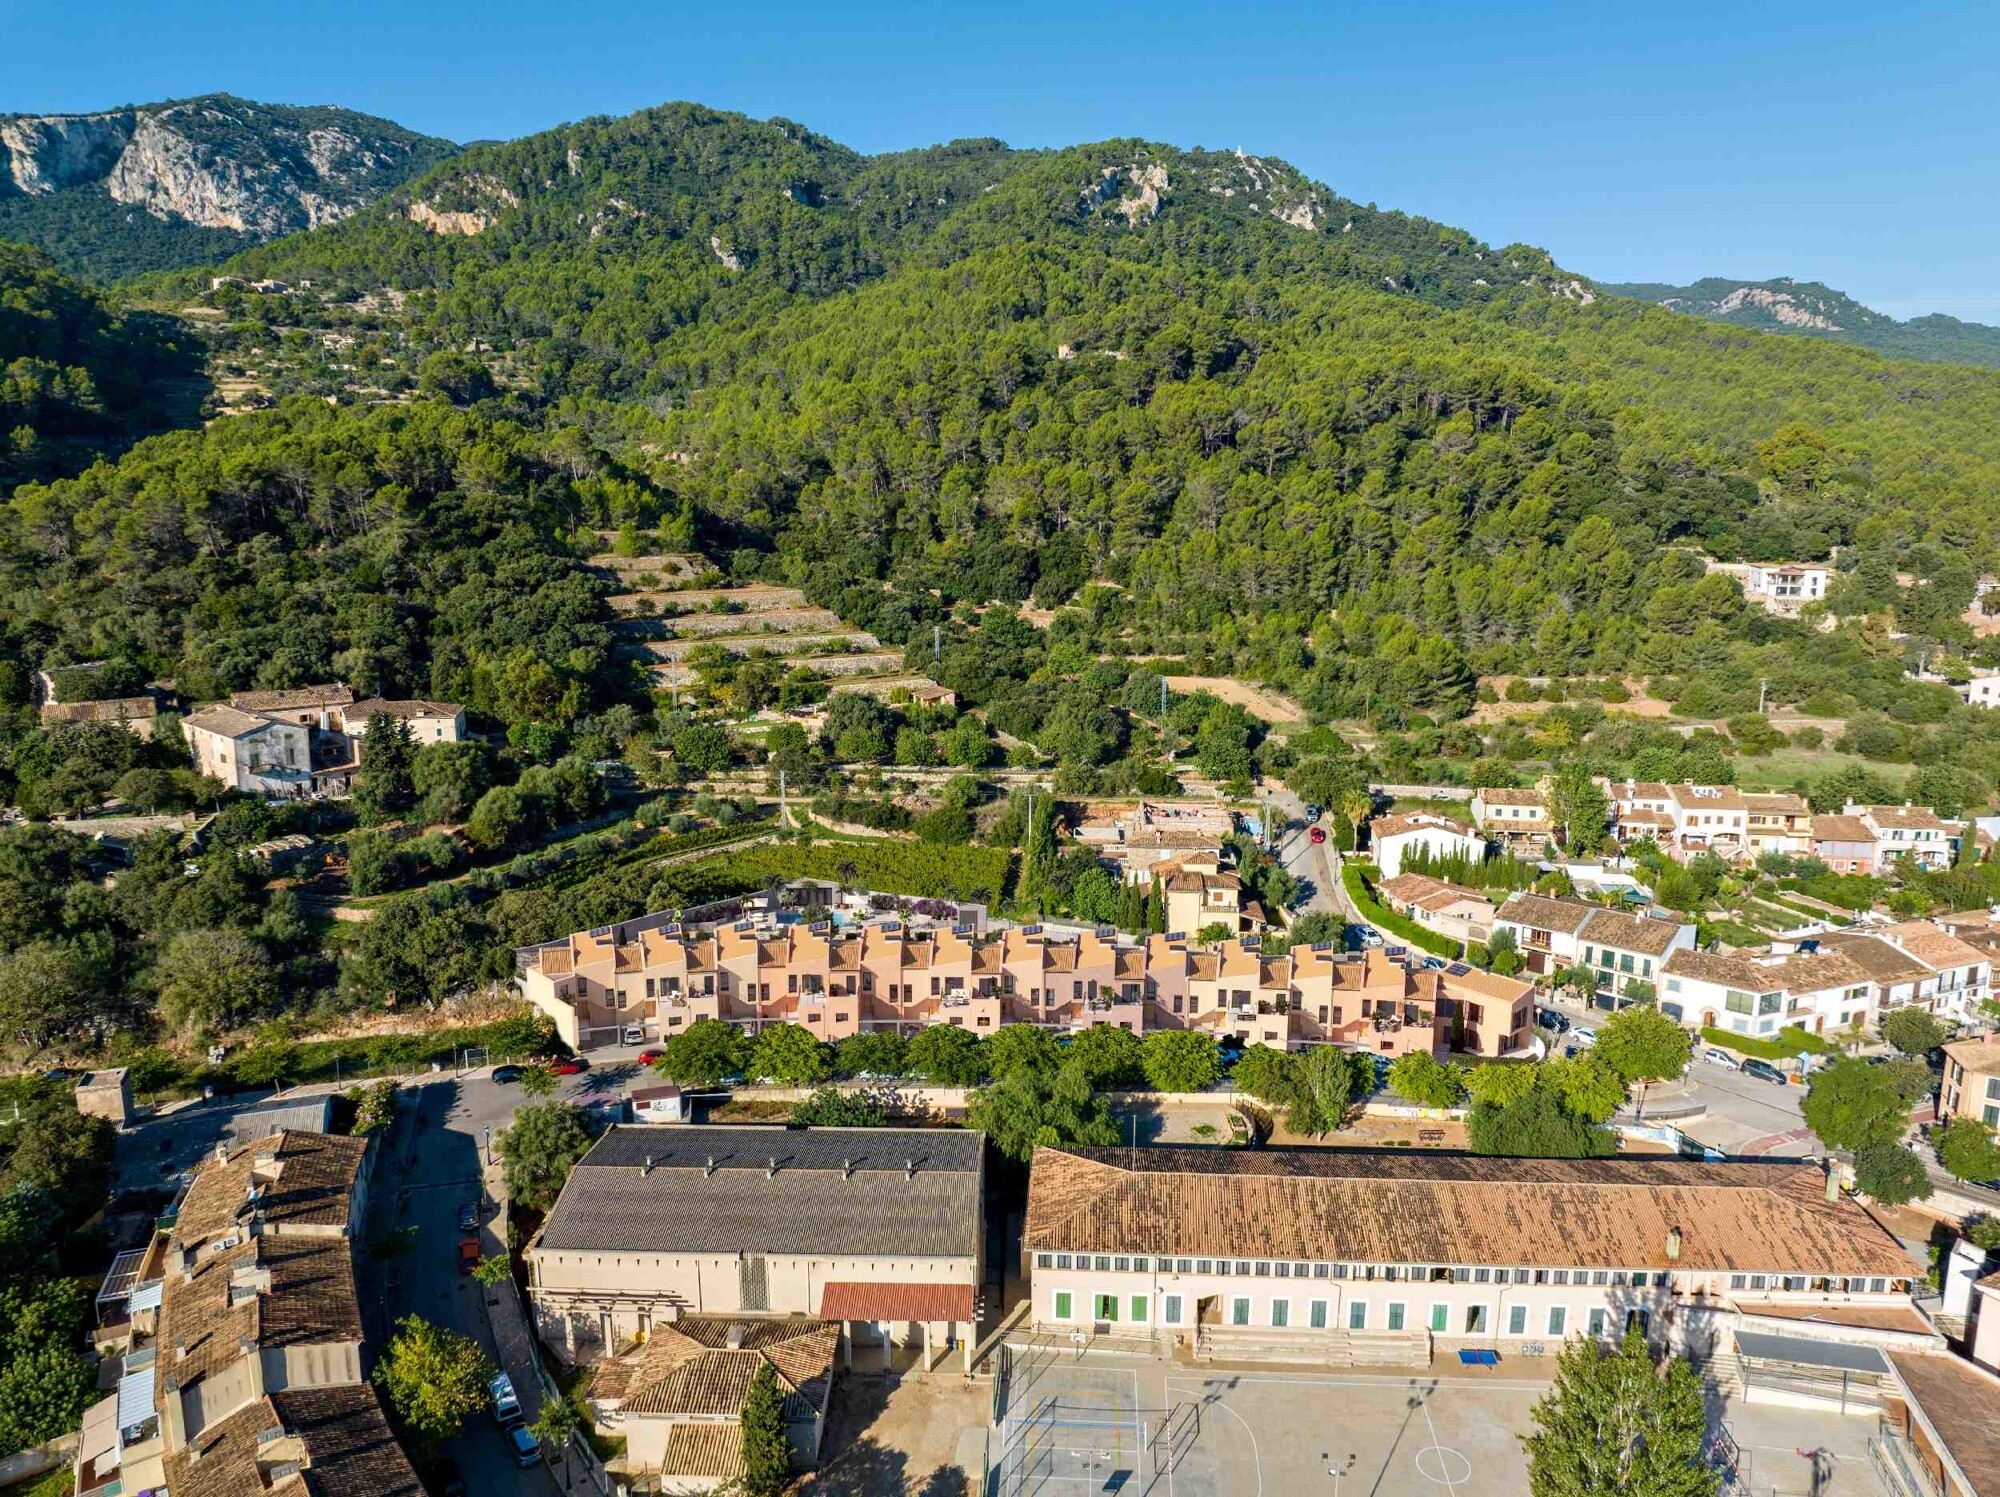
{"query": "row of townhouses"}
pixel 680 1259
pixel 651 977
pixel 236 1339
pixel 1822 982
pixel 1736 825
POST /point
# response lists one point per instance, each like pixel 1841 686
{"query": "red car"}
pixel 651 1057
pixel 1318 834
pixel 468 1254
pixel 576 1065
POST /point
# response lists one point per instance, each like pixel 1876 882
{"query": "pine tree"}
pixel 1619 1424
pixel 767 1449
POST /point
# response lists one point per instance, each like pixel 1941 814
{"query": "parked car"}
pixel 1719 1057
pixel 468 1218
pixel 574 1065
pixel 468 1254
pixel 632 1034
pixel 507 1075
pixel 652 1057
pixel 1551 1020
pixel 1763 1070
pixel 1583 1036
pixel 447 1478
pixel 506 1404
pixel 527 1449
pixel 1313 813
pixel 1318 834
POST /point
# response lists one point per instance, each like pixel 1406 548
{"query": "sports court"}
pixel 1142 1428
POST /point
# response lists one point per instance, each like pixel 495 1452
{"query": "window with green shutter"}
pixel 1063 1304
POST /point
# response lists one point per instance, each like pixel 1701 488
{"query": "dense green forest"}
pixel 78 377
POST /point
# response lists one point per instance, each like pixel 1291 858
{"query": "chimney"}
pixel 734 1339
pixel 1673 1244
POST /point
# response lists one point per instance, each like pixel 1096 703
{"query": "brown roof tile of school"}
pixel 1335 1205
pixel 1957 1399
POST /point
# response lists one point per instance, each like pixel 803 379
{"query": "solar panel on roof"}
pixel 1392 952
pixel 1457 969
pixel 1176 935
pixel 1106 933
pixel 1322 946
pixel 1031 930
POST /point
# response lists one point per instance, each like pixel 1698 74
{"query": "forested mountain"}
pixel 1816 311
pixel 1356 453
pixel 191 181
pixel 77 377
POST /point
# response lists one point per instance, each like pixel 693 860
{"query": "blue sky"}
pixel 1849 143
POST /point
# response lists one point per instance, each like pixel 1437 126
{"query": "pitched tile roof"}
pixel 226 722
pixel 1841 829
pixel 701 1365
pixel 109 710
pixel 1544 913
pixel 835 1191
pixel 877 1300
pixel 333 695
pixel 1777 805
pixel 1937 949
pixel 1807 972
pixel 704 1450
pixel 1418 821
pixel 1867 1317
pixel 1981 1057
pixel 1881 961
pixel 1640 933
pixel 305 1180
pixel 348 1451
pixel 1339 1205
pixel 1909 818
pixel 1509 797
pixel 1957 1400
pixel 417 707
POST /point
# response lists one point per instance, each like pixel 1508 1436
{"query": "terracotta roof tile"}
pixel 713 1450
pixel 1337 1205
pixel 1622 932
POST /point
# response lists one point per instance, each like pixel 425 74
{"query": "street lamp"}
pixel 488 1133
pixel 1345 1465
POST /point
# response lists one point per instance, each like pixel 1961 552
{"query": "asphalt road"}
pixel 1316 865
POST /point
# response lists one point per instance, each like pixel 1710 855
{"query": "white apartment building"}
pixel 1516 819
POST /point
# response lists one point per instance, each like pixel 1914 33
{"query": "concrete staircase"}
pixel 1330 1348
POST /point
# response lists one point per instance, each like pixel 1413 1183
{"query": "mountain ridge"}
pixel 183 182
pixel 1783 304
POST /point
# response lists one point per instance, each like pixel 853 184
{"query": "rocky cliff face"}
pixel 216 162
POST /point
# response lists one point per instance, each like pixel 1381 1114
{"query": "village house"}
pixel 1391 838
pixel 1908 832
pixel 1844 843
pixel 1971 1084
pixel 1518 820
pixel 1782 588
pixel 875 1232
pixel 653 977
pixel 1759 993
pixel 1983 690
pixel 1137 839
pixel 1450 909
pixel 239 1360
pixel 1551 934
pixel 283 745
pixel 1778 824
pixel 1198 893
pixel 1340 1258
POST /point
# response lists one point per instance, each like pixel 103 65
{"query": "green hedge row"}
pixel 920 870
pixel 1787 1042
pixel 1354 877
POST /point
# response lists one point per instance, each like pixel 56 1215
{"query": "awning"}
pixel 1836 1355
pixel 135 1398
pixel 850 1300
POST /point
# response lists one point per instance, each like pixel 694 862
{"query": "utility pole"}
pixel 937 643
pixel 1163 696
pixel 1760 697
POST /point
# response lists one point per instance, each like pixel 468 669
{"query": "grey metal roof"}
pixel 844 1191
pixel 1840 1355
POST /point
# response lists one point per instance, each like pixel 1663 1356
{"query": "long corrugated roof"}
pixel 1326 1205
pixel 832 1191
